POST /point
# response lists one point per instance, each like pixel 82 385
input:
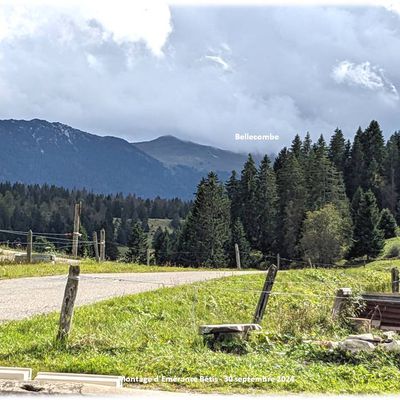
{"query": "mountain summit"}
pixel 172 151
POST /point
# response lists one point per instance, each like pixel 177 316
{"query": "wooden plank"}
pixel 228 328
pixel 264 297
pixel 67 308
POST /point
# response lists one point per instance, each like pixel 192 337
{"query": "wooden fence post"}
pixel 278 261
pixel 67 308
pixel 237 255
pixel 263 300
pixel 342 297
pixel 102 245
pixel 395 280
pixel 75 234
pixel 96 246
pixel 29 246
pixel 148 257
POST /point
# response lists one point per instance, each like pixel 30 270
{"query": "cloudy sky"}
pixel 139 70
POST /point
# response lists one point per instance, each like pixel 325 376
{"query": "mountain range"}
pixel 39 151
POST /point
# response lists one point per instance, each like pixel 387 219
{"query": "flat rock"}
pixel 393 346
pixel 356 345
pixel 362 336
pixel 389 335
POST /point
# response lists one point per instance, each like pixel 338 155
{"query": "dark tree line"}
pixel 49 209
pixel 269 208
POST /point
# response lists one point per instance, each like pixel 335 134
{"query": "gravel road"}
pixel 25 297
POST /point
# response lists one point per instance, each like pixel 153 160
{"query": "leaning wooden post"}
pixel 237 255
pixel 343 295
pixel 395 280
pixel 67 308
pixel 96 247
pixel 29 246
pixel 102 245
pixel 75 233
pixel 263 300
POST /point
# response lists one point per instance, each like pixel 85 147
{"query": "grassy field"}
pixel 11 270
pixel 154 334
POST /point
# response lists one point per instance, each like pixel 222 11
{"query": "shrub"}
pixel 394 251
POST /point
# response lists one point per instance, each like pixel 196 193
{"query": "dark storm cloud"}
pixel 220 71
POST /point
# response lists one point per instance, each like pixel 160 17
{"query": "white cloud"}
pixel 220 61
pixel 364 75
pixel 122 21
pixel 63 62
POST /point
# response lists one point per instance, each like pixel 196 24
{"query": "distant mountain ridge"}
pixel 39 151
pixel 172 151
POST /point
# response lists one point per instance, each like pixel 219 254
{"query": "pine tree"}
pixel 296 147
pixel 280 159
pixel 337 150
pixel 292 205
pixel 137 245
pixel 373 145
pixel 248 201
pixel 355 167
pixel 368 238
pixel 206 232
pixel 233 191
pixel 387 224
pixel 267 206
pixel 239 238
pixel 162 245
pixel 392 173
pixel 307 145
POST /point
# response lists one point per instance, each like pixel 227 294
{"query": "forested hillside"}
pixel 320 202
pixel 317 201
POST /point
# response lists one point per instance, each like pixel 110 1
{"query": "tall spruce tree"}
pixel 233 190
pixel 392 173
pixel 248 201
pixel 292 205
pixel 368 238
pixel 297 146
pixel 373 145
pixel 355 167
pixel 307 145
pixel 387 224
pixel 267 206
pixel 337 150
pixel 162 245
pixel 206 231
pixel 137 245
pixel 280 159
